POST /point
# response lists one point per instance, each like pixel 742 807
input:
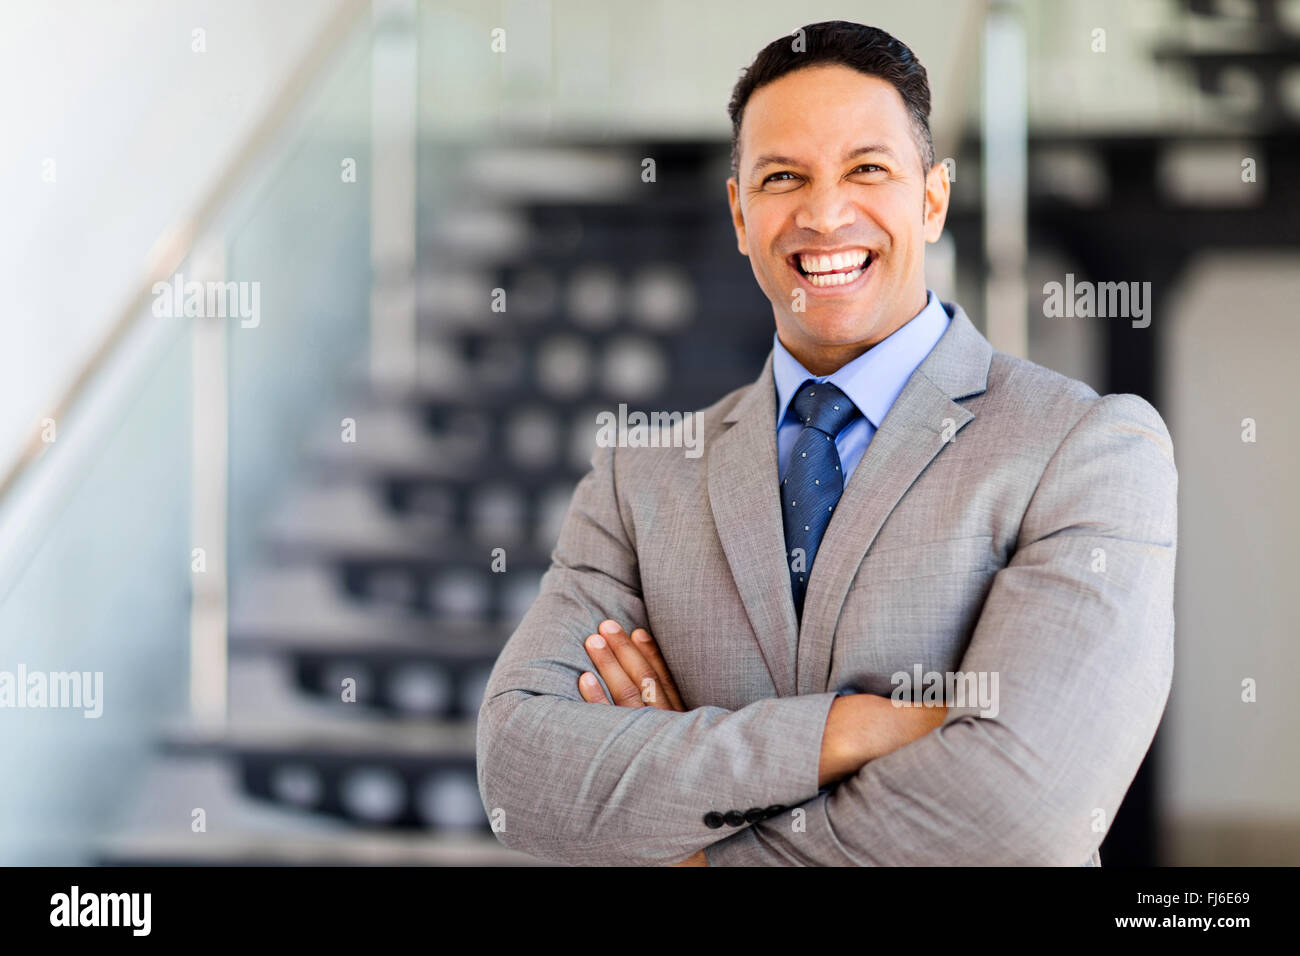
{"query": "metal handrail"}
pixel 176 243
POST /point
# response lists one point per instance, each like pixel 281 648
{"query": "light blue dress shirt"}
pixel 872 381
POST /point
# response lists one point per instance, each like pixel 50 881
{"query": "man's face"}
pixel 872 212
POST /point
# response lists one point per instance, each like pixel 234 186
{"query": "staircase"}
pixel 361 643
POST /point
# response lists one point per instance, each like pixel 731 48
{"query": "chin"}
pixel 846 329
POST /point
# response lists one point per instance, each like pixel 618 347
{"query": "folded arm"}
pixel 859 727
pixel 586 784
pixel 1079 628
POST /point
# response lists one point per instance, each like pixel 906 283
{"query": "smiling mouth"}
pixel 826 272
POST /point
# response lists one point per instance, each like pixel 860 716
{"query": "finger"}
pixel 650 651
pixel 590 689
pixel 635 666
pixel 624 692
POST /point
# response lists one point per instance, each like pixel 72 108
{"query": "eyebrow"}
pixel 775 159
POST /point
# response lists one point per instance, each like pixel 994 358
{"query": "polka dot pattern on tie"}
pixel 813 480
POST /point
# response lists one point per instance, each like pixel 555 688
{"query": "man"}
pixel 891 499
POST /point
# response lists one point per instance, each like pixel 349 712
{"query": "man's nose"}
pixel 825 210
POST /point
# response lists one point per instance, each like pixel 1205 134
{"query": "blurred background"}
pixel 448 234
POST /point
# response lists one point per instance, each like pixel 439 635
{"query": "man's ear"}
pixel 737 216
pixel 937 194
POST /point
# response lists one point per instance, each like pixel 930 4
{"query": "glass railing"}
pixel 97 539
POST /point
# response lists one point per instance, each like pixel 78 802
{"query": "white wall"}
pixel 138 125
pixel 656 68
pixel 1235 354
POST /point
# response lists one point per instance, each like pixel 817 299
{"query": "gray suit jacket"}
pixel 1004 519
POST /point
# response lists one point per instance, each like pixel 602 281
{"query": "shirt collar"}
pixel 874 379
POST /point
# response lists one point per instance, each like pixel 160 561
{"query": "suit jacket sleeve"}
pixel 581 783
pixel 1085 657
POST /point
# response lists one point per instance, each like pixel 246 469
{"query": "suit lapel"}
pixel 743 485
pixel 743 493
pixel 909 438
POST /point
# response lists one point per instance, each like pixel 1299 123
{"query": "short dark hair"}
pixel 868 50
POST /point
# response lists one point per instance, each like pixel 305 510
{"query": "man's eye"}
pixel 774 175
pixel 871 166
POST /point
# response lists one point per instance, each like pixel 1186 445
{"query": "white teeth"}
pixel 841 260
pixel 835 278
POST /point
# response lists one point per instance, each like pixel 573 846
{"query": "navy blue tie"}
pixel 814 478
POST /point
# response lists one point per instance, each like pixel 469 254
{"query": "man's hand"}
pixel 633 670
pixel 698 859
pixel 636 675
pixel 859 728
pixel 862 727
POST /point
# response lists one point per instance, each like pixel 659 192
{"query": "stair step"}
pixel 242 829
pixel 680 393
pixel 439 675
pixel 283 604
pixel 356 738
pixel 276 849
pixel 414 638
pixel 157 826
pixel 471 456
pixel 402 774
pixel 347 522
